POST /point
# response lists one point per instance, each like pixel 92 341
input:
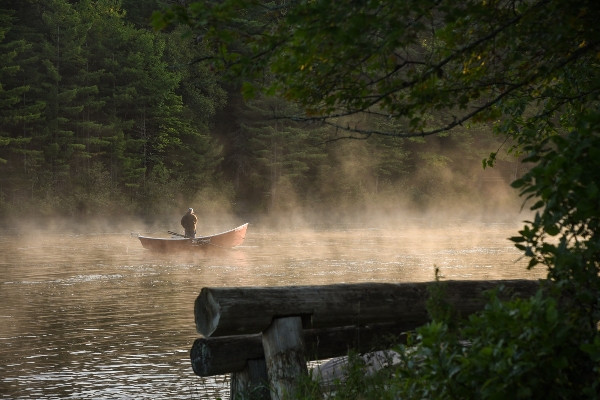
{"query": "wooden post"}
pixel 252 382
pixel 283 343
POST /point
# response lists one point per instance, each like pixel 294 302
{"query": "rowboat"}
pixel 228 239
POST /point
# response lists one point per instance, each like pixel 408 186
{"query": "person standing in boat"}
pixel 189 221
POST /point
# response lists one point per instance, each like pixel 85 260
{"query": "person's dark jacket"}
pixel 188 221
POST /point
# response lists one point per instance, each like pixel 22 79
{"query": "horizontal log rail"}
pixel 226 354
pixel 250 310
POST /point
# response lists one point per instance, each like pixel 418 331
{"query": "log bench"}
pixel 264 336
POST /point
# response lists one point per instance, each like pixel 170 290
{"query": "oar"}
pixel 199 242
pixel 195 242
pixel 175 234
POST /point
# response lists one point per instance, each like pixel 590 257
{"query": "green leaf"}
pixel 518 183
pixel 538 204
pixel 560 362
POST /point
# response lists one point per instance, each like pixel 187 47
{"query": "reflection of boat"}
pixel 231 238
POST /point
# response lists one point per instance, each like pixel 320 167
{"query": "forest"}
pixel 250 106
pixel 101 114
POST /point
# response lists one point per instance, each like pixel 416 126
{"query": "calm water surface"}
pixel 96 316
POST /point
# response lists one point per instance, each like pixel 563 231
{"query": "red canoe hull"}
pixel 231 238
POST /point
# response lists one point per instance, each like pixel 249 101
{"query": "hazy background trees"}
pixel 103 115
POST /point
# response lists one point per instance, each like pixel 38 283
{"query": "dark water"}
pixel 96 316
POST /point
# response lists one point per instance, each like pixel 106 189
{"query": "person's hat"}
pixel 190 209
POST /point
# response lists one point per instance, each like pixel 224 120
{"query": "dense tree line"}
pixel 100 113
pixel 92 117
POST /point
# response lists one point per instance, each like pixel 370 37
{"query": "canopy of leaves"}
pixel 404 60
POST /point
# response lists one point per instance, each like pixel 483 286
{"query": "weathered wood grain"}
pixel 283 342
pixel 248 310
pixel 216 356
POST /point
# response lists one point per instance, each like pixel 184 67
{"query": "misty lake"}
pixel 97 316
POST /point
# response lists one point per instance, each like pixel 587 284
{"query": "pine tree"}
pixel 282 150
pixel 16 113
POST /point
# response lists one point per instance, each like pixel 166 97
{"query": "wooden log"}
pixel 247 310
pixel 335 371
pixel 251 383
pixel 335 342
pixel 283 343
pixel 228 354
pixel 221 355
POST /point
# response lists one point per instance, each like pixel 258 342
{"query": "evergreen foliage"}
pixel 92 105
pixel 282 150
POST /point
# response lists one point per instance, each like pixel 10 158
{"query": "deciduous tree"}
pixel 528 68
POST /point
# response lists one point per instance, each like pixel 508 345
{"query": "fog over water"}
pixel 88 313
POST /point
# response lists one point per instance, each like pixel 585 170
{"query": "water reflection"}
pixel 97 316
